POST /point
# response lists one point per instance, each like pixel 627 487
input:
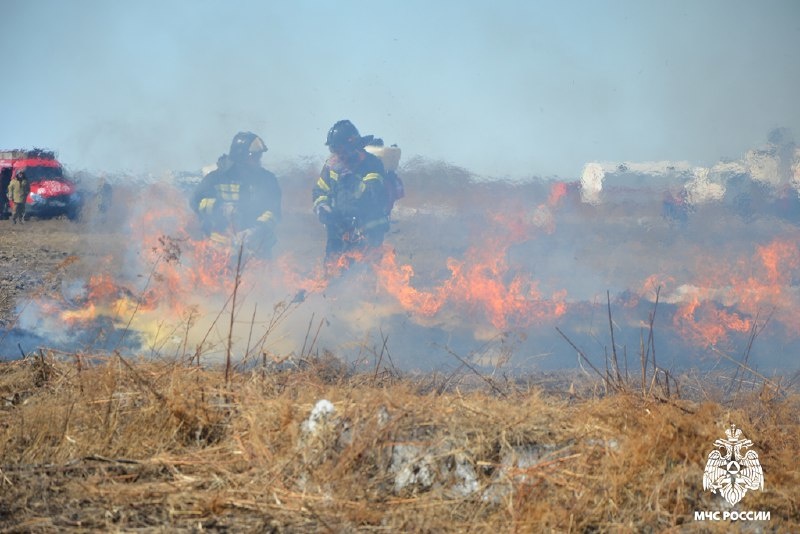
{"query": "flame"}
pixel 483 284
pixel 704 323
pixel 479 285
pixel 293 276
pixel 173 271
pixel 779 260
pixel 733 294
pixel 176 274
pixel 86 314
pixel 396 280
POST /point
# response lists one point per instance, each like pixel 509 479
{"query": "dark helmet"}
pixel 245 144
pixel 344 134
pixel 20 174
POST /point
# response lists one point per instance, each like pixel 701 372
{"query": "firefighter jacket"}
pixel 237 197
pixel 353 192
pixel 18 190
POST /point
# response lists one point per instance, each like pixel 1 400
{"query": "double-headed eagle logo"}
pixel 732 471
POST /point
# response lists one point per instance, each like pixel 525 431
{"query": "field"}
pixel 516 362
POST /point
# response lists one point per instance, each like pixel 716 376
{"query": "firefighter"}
pixel 240 202
pixel 18 190
pixel 349 197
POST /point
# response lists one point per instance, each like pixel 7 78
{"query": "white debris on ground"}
pixel 320 416
pixel 317 440
pixel 412 466
pixel 418 468
pixel 516 463
pixel 416 464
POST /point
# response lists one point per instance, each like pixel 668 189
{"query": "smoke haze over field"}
pixel 452 286
pixel 508 88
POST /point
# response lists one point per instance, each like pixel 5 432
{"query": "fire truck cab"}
pixel 52 194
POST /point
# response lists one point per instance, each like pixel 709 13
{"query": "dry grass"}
pixel 107 444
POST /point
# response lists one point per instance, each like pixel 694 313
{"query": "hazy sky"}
pixel 502 88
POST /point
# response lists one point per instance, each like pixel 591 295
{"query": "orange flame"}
pixel 396 279
pixel 703 323
pixel 748 288
pixel 483 284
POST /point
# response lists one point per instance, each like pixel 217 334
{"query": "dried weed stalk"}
pixel 106 443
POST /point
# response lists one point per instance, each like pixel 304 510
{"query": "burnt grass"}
pixel 93 442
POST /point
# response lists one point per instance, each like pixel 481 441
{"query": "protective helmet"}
pixel 20 173
pixel 344 134
pixel 245 144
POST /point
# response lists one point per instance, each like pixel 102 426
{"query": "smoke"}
pixel 488 274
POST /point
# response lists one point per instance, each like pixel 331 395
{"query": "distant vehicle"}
pixel 52 194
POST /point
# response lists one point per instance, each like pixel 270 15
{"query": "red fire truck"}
pixel 52 194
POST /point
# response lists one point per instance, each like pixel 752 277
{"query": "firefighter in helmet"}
pixel 349 197
pixel 239 203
